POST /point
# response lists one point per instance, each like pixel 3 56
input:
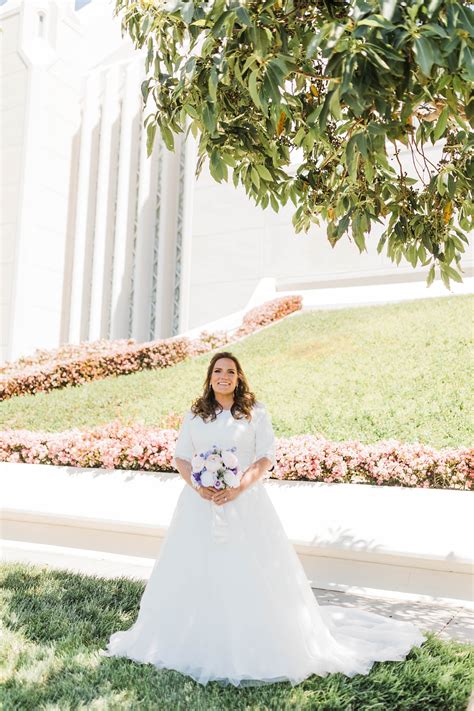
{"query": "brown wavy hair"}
pixel 208 407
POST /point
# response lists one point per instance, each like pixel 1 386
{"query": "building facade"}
pixel 98 240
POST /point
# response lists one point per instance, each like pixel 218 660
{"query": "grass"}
pixel 370 373
pixel 56 621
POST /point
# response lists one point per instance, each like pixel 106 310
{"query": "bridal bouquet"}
pixel 216 467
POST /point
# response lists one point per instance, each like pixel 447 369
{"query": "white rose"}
pixel 197 463
pixel 232 480
pixel 213 462
pixel 229 459
pixel 208 479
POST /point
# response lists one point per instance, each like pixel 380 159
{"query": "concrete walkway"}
pixel 447 621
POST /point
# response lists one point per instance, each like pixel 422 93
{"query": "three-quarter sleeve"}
pixel 264 435
pixel 184 444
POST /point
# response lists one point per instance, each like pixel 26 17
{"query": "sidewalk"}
pixel 455 623
pixel 447 621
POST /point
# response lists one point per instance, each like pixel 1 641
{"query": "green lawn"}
pixel 392 371
pixel 55 622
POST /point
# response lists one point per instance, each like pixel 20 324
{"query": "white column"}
pixel 157 239
pixel 167 242
pixel 89 121
pixel 122 267
pixel 104 207
pixel 145 227
pixel 186 231
pixel 24 271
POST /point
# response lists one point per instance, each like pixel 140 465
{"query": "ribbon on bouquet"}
pixel 219 523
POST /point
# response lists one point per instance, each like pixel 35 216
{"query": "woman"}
pixel 228 599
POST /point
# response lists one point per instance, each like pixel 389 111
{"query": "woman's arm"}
pixel 184 449
pixel 185 469
pixel 255 472
pixel 264 449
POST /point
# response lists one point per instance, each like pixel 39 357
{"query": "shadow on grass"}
pixel 56 622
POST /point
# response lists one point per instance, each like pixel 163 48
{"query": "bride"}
pixel 227 599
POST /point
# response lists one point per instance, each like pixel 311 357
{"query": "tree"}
pixel 340 87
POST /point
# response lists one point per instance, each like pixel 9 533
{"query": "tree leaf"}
pixel 376 21
pixel 191 111
pixel 274 202
pixel 255 177
pixel 243 16
pixel 187 11
pixel 431 276
pixel 264 172
pixel 212 84
pixel 441 123
pixel 252 85
pixel 334 105
pixel 209 118
pixel 272 86
pixel 281 123
pixel 452 273
pixel 226 17
pixel 167 137
pixel 424 54
pixel 444 276
pixel 217 166
pixel 361 142
pixel 412 254
pixel 150 137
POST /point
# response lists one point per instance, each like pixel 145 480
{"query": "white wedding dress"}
pixel 228 599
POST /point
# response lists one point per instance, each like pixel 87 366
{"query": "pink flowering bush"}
pixel 76 364
pixel 65 352
pixel 388 463
pixel 94 365
pixel 267 313
pixel 304 457
pixel 112 446
pixel 208 342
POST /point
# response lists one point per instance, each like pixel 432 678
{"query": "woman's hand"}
pixel 206 492
pixel 223 496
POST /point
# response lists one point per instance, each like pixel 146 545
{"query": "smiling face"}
pixel 224 376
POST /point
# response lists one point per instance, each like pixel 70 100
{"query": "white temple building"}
pixel 100 241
